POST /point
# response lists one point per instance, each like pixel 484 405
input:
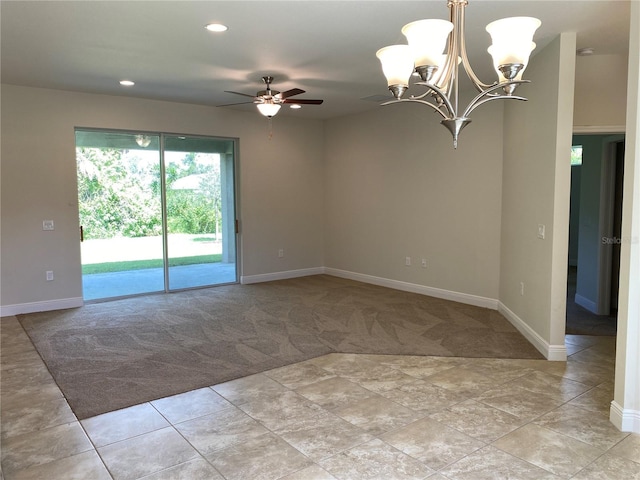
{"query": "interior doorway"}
pixel 594 234
pixel 157 212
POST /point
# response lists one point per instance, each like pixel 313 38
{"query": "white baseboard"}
pixel 10 310
pixel 624 420
pixel 556 353
pixel 415 288
pixel 586 303
pixel 269 277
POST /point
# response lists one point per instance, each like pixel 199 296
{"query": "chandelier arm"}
pixel 473 104
pixel 457 10
pixel 441 95
pixel 459 25
pixel 479 84
pixel 447 77
pixel 471 108
pixel 417 100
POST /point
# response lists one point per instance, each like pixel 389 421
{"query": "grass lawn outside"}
pixel 123 266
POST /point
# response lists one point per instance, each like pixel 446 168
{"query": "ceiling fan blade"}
pixel 302 101
pixel 231 104
pixel 290 93
pixel 238 93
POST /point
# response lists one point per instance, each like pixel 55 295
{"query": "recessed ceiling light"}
pixel 216 27
pixel 295 106
pixel 127 83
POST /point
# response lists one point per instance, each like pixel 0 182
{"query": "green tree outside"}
pixel 113 201
pixel 119 194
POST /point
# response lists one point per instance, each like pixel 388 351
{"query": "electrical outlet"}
pixel 47 225
pixel 281 253
pixel 49 274
pixel 424 263
pixel 407 261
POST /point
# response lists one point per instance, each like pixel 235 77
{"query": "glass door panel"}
pixel 199 185
pixel 157 212
pixel 119 197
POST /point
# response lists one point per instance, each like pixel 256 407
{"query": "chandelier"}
pixel 512 45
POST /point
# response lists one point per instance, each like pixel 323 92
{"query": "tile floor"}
pixel 333 417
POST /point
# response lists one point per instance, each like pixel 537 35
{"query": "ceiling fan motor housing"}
pixel 264 93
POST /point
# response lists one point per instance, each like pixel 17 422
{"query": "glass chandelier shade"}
pixel 514 33
pixel 512 40
pixel 502 58
pixel 397 64
pixel 427 39
pixel 268 109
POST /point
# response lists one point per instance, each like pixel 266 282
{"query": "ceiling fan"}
pixel 269 101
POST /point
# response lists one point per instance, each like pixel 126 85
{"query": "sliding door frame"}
pixel 230 223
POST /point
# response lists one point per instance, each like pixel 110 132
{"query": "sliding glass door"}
pixel 157 212
pixel 201 243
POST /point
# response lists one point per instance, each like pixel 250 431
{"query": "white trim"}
pixel 624 420
pixel 415 288
pixel 598 129
pixel 556 353
pixel 586 303
pixel 269 277
pixel 10 310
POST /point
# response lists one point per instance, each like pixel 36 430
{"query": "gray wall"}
pixel 536 188
pixel 280 184
pixel 396 188
pixel 600 87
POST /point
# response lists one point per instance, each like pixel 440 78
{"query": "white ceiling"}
pixel 324 47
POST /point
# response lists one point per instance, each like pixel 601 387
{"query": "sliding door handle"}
pixel 81 234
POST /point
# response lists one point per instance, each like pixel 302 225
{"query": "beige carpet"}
pixel 112 355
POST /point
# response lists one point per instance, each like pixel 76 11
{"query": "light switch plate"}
pixel 541 231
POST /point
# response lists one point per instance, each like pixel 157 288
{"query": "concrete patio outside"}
pixel 131 282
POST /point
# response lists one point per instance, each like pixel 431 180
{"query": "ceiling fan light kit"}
pixel 143 140
pixel 512 44
pixel 268 108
